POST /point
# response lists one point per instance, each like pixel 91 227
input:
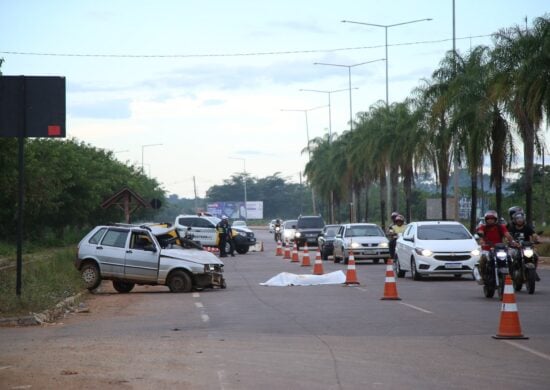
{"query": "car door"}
pixel 405 247
pixel 204 231
pixel 142 257
pixel 111 252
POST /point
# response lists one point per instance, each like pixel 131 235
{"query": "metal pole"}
pixel 387 87
pixel 245 200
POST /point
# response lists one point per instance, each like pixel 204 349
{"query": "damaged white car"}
pixel 130 255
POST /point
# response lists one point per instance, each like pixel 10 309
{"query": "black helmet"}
pixel 491 214
pixel 514 209
pixel 399 217
pixel 393 215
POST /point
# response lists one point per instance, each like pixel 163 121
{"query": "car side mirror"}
pixel 409 238
pixel 150 248
pixel 293 226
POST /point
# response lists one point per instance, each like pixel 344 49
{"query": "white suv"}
pixel 436 248
pixel 203 230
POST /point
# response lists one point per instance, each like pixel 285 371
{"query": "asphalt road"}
pixel 316 337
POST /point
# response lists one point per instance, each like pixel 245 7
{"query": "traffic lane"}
pixel 357 331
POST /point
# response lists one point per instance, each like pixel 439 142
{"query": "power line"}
pixel 147 56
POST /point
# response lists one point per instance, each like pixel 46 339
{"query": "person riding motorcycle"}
pixel 511 212
pixel 491 233
pixel 523 232
pixel 397 228
pixel 277 229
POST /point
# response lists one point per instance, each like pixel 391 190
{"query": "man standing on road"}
pixel 223 228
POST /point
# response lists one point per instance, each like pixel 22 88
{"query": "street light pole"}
pixel 244 185
pixel 386 26
pixel 350 107
pixel 142 152
pixel 349 82
pixel 308 149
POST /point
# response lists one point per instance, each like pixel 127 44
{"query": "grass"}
pixel 48 277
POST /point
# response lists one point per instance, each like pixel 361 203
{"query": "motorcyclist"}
pixel 397 228
pixel 511 212
pixel 277 229
pixel 491 233
pixel 523 232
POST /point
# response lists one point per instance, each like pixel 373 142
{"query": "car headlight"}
pixel 423 252
pixel 475 252
pixel 383 245
pixel 298 234
pixel 355 245
pixel 528 252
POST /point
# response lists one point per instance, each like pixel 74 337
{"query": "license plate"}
pixel 453 265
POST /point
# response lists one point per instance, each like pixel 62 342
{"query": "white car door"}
pixel 141 262
pixel 111 252
pixel 405 247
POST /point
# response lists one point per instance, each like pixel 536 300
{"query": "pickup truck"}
pixel 130 255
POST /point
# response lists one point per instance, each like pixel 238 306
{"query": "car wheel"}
pixel 179 281
pixel 397 268
pixel 324 254
pixel 123 287
pixel 414 273
pixel 90 275
pixel 241 250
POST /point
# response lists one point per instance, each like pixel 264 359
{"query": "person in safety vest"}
pixel 395 230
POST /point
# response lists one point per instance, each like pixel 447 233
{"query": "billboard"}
pixel 236 210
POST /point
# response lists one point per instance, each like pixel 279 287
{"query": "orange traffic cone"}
pixel 351 275
pixel 279 250
pixel 295 257
pixel 287 251
pixel 306 262
pixel 509 327
pixel 390 287
pixel 318 266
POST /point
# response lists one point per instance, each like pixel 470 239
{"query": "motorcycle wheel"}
pixel 517 280
pixel 489 292
pixel 530 282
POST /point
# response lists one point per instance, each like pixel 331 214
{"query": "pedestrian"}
pixel 222 236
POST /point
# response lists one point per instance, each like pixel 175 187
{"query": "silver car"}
pixel 366 241
pixel 130 255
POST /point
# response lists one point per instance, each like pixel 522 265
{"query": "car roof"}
pixel 360 224
pixel 428 223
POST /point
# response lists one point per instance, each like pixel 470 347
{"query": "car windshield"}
pixel 443 232
pixel 311 223
pixel 331 231
pixel 364 231
pixel 288 224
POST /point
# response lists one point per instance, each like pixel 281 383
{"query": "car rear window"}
pixel 115 238
pixel 443 232
pixel 331 231
pixel 289 224
pixel 97 236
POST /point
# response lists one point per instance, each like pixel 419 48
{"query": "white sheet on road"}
pixel 288 279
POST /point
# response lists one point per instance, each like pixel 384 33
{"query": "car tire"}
pixel 241 250
pixel 179 282
pixel 91 276
pixel 414 273
pixel 397 268
pixel 123 287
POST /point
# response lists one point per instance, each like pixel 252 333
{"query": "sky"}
pixel 208 89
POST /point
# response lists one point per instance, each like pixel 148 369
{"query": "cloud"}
pixel 104 109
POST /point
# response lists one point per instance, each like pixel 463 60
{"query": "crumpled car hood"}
pixel 193 255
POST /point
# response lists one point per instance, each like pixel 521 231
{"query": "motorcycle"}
pixel 278 236
pixel 498 266
pixel 523 267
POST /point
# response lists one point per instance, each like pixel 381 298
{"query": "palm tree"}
pixel 523 85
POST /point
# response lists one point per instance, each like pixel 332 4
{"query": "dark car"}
pixel 308 229
pixel 326 240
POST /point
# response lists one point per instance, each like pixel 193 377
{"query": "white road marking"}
pixel 527 349
pixel 196 295
pixel 205 317
pixel 221 379
pixel 361 288
pixel 199 305
pixel 416 308
pixel 4 367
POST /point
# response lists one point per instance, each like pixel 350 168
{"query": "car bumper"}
pixel 431 266
pixel 242 240
pixel 370 253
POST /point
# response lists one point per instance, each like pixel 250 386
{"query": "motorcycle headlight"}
pixel 501 255
pixel 355 245
pixel 423 252
pixel 528 252
pixel 298 234
pixel 475 252
pixel 383 245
